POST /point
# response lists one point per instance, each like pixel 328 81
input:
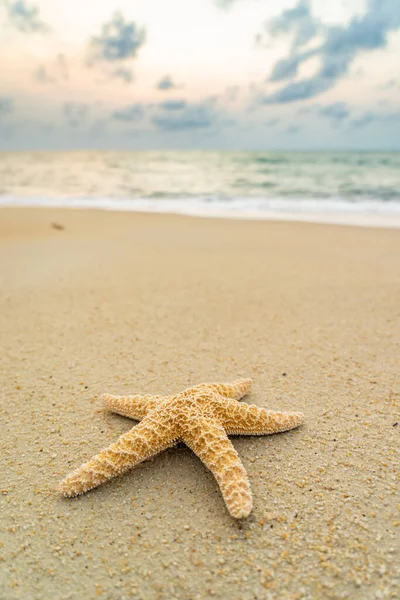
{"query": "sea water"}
pixel 361 188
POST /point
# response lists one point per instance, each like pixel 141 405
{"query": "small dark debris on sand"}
pixel 58 226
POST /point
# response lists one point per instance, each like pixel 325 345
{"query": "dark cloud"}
pixel 288 67
pixel 75 113
pixel 339 47
pixel 173 104
pixel 41 75
pixel 337 111
pixel 25 18
pixel 6 106
pixel 134 112
pixel 194 116
pixel 298 21
pixel 123 73
pixel 119 40
pixel 166 83
pixel 299 90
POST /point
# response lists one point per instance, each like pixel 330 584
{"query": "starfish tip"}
pixel 242 511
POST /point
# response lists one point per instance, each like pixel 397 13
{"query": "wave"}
pixel 272 160
pixel 365 212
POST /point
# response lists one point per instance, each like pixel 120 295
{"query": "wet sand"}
pixel 130 303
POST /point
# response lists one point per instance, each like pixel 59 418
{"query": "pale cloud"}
pixel 41 75
pixel 173 104
pixel 293 129
pixel 133 112
pixel 6 106
pixel 53 73
pixel 123 73
pixel 337 111
pixel 25 17
pixel 75 113
pixel 62 66
pixel 391 84
pixel 224 4
pixel 372 117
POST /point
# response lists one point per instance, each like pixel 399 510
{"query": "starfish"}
pixel 202 417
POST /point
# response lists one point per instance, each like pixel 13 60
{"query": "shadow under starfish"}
pixel 202 417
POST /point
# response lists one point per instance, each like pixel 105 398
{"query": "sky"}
pixel 200 74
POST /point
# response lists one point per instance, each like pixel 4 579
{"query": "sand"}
pixel 130 303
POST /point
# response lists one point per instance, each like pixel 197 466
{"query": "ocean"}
pixel 360 188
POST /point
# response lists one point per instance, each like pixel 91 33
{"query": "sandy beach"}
pixel 134 303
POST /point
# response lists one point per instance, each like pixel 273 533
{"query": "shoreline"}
pixel 351 216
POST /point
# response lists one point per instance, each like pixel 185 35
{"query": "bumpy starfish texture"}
pixel 202 416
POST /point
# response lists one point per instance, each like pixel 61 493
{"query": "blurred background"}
pixel 285 106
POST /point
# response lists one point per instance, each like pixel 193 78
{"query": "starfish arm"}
pixel 155 433
pixel 249 419
pixel 135 407
pixel 235 390
pixel 209 441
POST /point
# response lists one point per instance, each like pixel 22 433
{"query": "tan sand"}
pixel 152 304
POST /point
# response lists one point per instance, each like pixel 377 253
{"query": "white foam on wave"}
pixel 366 213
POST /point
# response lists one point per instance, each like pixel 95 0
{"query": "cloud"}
pixel 75 113
pixel 224 4
pixel 42 76
pixel 273 122
pixel 194 116
pixel 62 66
pixel 370 117
pixel 134 112
pixel 300 90
pixel 389 85
pixel 337 111
pixel 123 73
pixel 365 119
pixel 340 113
pixel 166 83
pixel 6 106
pixel 293 129
pixel 57 73
pixel 297 20
pixel 119 40
pixel 287 68
pixel 338 48
pixel 173 104
pixel 25 18
pixel 231 93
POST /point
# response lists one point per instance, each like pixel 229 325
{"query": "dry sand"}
pixel 152 304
